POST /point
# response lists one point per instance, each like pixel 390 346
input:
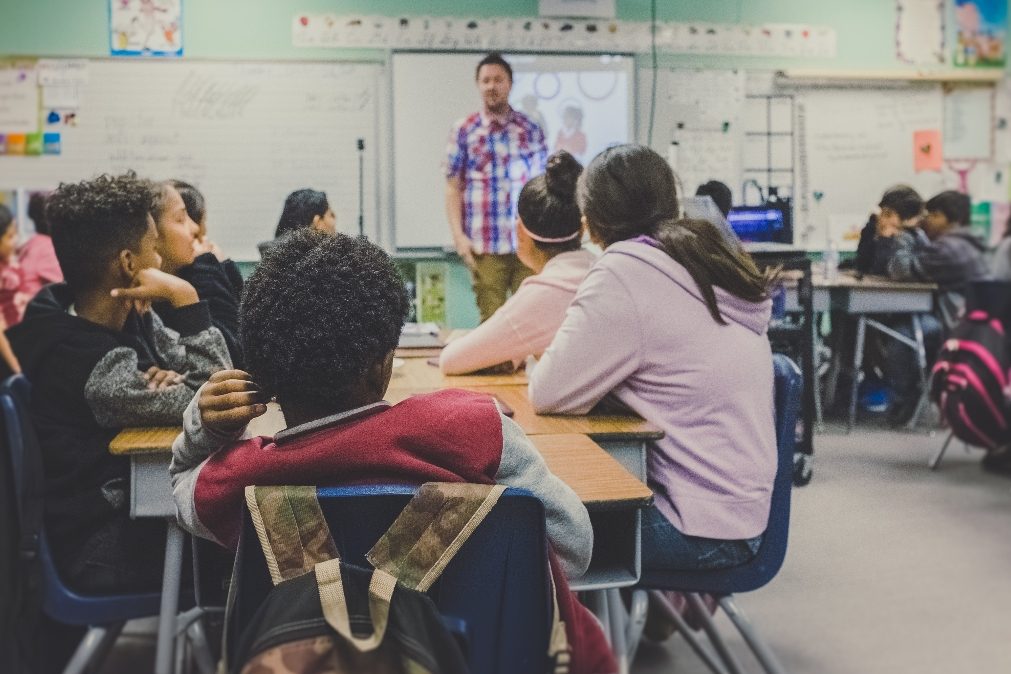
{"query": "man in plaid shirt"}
pixel 491 155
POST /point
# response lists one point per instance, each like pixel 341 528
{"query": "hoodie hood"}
pixel 46 324
pixel 752 315
pixel 967 235
pixel 564 271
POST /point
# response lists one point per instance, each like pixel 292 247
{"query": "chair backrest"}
pixel 495 591
pixel 22 448
pixel 769 558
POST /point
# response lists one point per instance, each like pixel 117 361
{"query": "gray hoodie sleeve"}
pixel 117 393
pixel 189 452
pixel 903 263
pixel 568 523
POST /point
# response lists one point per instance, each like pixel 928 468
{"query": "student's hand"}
pixel 152 285
pixel 157 378
pixel 463 249
pixel 229 400
pixel 205 245
pixel 886 230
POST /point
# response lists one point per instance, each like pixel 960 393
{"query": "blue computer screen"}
pixel 756 223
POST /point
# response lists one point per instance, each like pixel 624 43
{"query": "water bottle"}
pixel 831 262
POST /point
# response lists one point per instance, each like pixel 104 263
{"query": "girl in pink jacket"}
pixel 549 237
pixel 672 322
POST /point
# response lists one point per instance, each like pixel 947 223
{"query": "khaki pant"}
pixel 492 276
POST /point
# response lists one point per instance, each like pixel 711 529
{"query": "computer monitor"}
pixel 759 223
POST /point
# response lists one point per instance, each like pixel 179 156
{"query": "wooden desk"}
pixel 417 374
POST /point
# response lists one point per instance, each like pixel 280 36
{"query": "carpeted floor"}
pixel 891 568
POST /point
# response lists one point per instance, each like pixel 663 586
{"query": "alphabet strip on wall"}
pixel 563 35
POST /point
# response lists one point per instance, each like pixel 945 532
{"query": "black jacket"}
pixel 220 285
pixel 87 384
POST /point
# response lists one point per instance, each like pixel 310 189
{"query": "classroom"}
pixel 689 316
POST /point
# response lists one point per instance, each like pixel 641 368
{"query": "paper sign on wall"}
pixel 19 101
pixel 927 150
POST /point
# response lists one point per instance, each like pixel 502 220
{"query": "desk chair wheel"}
pixel 803 471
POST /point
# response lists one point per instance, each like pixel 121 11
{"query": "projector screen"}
pixel 584 103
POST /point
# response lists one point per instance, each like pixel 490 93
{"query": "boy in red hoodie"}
pixel 319 322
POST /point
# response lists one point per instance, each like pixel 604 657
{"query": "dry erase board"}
pixel 246 133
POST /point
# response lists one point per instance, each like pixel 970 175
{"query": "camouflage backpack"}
pixel 324 615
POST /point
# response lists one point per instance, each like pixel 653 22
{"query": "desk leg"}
pixel 921 361
pixel 618 621
pixel 171 582
pixel 858 363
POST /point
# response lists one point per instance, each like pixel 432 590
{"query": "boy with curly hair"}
pixel 98 361
pixel 319 323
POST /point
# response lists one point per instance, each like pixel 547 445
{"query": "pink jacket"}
pixel 39 264
pixel 526 323
pixel 639 329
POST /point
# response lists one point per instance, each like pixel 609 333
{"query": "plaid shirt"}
pixel 493 161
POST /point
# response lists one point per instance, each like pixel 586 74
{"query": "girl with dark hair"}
pixel 549 241
pixel 37 256
pixel 671 322
pixel 303 208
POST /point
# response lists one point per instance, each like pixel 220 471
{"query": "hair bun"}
pixel 561 174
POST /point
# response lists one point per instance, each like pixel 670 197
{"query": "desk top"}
pixel 417 373
pixel 599 426
pixel 596 477
pixel 848 280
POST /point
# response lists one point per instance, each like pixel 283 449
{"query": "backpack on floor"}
pixel 969 380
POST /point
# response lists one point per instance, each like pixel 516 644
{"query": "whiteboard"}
pixel 246 134
pixel 430 92
pixel 853 145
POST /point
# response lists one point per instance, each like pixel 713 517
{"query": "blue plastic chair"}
pixel 724 583
pixel 104 616
pixel 494 593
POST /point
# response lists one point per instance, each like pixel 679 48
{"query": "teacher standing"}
pixel 491 155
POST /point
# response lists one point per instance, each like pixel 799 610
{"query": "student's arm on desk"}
pixel 566 519
pixel 596 348
pixel 230 401
pixel 904 263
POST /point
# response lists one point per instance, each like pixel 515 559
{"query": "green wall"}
pixel 240 29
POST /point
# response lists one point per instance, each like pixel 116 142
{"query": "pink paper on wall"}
pixel 927 150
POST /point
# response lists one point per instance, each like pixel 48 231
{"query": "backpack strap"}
pixel 335 607
pixel 292 531
pixel 431 530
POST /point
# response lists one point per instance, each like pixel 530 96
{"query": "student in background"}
pixel 178 247
pixel 216 279
pixel 899 214
pixel 549 237
pixel 12 296
pixel 945 251
pixel 303 208
pixel 1000 265
pixel 671 321
pixel 719 193
pixel 321 319
pixel 98 361
pixel 36 255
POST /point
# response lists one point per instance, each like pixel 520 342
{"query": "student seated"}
pixel 321 317
pixel 945 251
pixel 671 321
pixel 98 361
pixel 196 208
pixel 549 237
pixel 899 214
pixel 184 255
pixel 303 208
pixel 37 256
pixel 12 284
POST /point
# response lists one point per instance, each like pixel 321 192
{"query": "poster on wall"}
pixel 145 27
pixel 980 33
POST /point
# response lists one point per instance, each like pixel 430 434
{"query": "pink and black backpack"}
pixel 970 379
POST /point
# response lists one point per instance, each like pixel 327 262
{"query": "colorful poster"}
pixel 927 150
pixel 145 27
pixel 981 33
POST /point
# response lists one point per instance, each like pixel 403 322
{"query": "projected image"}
pixel 581 111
